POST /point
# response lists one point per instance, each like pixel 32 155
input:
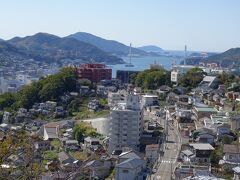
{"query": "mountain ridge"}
pixel 111 46
pixel 227 58
pixel 53 48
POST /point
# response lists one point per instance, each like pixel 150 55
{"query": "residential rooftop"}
pixel 231 148
pixel 206 109
pixel 202 146
pixel 131 163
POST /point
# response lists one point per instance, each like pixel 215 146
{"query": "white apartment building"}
pixel 174 76
pixel 149 100
pixel 178 71
pixel 126 124
pixel 115 97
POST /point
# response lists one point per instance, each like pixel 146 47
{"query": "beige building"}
pixel 152 152
pixel 235 122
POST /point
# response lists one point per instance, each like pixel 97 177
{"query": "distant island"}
pixel 151 48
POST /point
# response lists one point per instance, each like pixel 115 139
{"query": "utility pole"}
pixel 165 130
pixel 166 124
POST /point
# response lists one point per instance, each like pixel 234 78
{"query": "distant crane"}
pixel 185 58
pixel 130 57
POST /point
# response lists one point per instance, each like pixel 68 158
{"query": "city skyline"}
pixel 203 26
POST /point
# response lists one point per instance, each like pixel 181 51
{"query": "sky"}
pixel 204 25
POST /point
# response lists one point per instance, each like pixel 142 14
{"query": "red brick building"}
pixel 94 72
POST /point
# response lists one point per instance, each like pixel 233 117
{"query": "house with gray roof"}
pixel 67 162
pixel 128 155
pixel 231 153
pixel 42 145
pixel 72 145
pixel 210 81
pixel 130 169
pixel 97 168
pixel 202 152
pixel 186 155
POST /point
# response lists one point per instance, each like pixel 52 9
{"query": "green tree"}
pixel 152 78
pixel 84 129
pixel 56 144
pixel 74 106
pixel 52 90
pixel 216 155
pixel 226 140
pixel 69 77
pixel 78 132
pixel 7 100
pixel 48 88
pixel 226 78
pixel 56 85
pixel 50 155
pixel 103 102
pixel 192 78
pixel 84 82
pixel 28 95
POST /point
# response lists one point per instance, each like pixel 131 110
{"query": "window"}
pixel 230 156
pixel 125 171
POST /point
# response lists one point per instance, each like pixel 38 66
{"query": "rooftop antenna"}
pixel 185 55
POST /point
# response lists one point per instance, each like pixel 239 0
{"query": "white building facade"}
pixel 149 100
pixel 178 71
pixel 126 124
pixel 115 97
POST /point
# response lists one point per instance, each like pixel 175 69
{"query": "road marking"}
pixel 157 177
pixel 164 161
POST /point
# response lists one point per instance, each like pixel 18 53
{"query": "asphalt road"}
pixel 168 161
